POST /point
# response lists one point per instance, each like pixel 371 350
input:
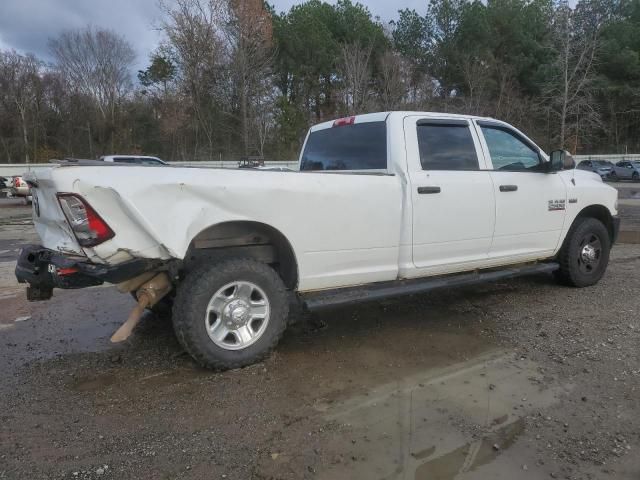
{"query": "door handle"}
pixel 427 190
pixel 508 188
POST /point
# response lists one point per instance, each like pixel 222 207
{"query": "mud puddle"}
pixel 471 456
pixel 71 322
pixel 442 423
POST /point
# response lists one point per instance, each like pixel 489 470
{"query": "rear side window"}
pixel 446 147
pixel 361 146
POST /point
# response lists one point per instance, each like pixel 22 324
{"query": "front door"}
pixel 451 194
pixel 530 204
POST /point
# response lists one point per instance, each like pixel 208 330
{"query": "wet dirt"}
pixel 419 388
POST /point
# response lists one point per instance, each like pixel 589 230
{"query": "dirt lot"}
pixel 520 379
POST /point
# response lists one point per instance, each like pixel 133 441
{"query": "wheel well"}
pixel 601 213
pixel 254 240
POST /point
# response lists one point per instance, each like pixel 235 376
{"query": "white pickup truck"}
pixel 384 204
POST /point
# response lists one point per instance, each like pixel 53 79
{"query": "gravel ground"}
pixel 519 379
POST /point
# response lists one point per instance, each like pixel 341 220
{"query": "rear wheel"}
pixel 230 314
pixel 585 254
pixel 635 177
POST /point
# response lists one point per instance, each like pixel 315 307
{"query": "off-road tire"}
pixel 570 272
pixel 193 295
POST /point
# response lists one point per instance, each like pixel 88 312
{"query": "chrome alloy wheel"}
pixel 590 253
pixel 237 315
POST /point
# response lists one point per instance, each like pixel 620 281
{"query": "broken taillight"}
pixel 88 227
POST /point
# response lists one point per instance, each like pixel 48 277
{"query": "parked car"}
pixel 251 162
pixel 627 170
pixel 20 188
pixel 603 168
pixel 133 159
pixel 384 204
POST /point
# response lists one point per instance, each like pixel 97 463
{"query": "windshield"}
pixel 361 146
pixel 602 163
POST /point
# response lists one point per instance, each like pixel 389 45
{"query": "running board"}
pixel 321 299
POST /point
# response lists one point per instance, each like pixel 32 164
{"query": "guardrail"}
pixel 11 169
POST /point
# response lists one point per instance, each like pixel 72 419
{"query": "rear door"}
pixel 451 193
pixel 530 204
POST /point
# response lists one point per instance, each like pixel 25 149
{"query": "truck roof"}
pixel 382 116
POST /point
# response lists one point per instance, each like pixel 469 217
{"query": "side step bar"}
pixel 321 299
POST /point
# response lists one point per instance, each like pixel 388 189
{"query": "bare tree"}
pixel 194 33
pixel 249 35
pixel 96 63
pixel 19 90
pixel 356 71
pixel 570 89
pixel 476 76
pixel 392 80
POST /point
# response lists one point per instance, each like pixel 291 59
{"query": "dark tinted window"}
pixel 446 147
pixel 362 146
pixel 509 152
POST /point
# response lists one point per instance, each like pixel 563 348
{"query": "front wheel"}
pixel 585 253
pixel 230 314
pixel 635 177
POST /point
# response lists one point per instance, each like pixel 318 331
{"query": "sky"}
pixel 26 25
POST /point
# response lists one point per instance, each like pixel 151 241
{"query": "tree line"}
pixel 234 77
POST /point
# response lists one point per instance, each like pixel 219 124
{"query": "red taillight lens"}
pixel 17 182
pixel 341 122
pixel 88 227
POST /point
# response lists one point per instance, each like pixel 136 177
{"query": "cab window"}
pixel 361 146
pixel 446 146
pixel 509 152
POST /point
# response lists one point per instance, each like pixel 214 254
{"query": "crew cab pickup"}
pixel 383 204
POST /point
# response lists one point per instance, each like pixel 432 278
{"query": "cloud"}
pixel 385 9
pixel 27 25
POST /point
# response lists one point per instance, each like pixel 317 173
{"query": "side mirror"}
pixel 561 160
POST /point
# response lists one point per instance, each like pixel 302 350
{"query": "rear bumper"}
pixel 45 269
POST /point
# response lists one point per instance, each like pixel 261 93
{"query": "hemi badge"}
pixel 555 205
pixel 573 200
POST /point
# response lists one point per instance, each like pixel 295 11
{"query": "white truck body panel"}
pixel 345 228
pixel 158 218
